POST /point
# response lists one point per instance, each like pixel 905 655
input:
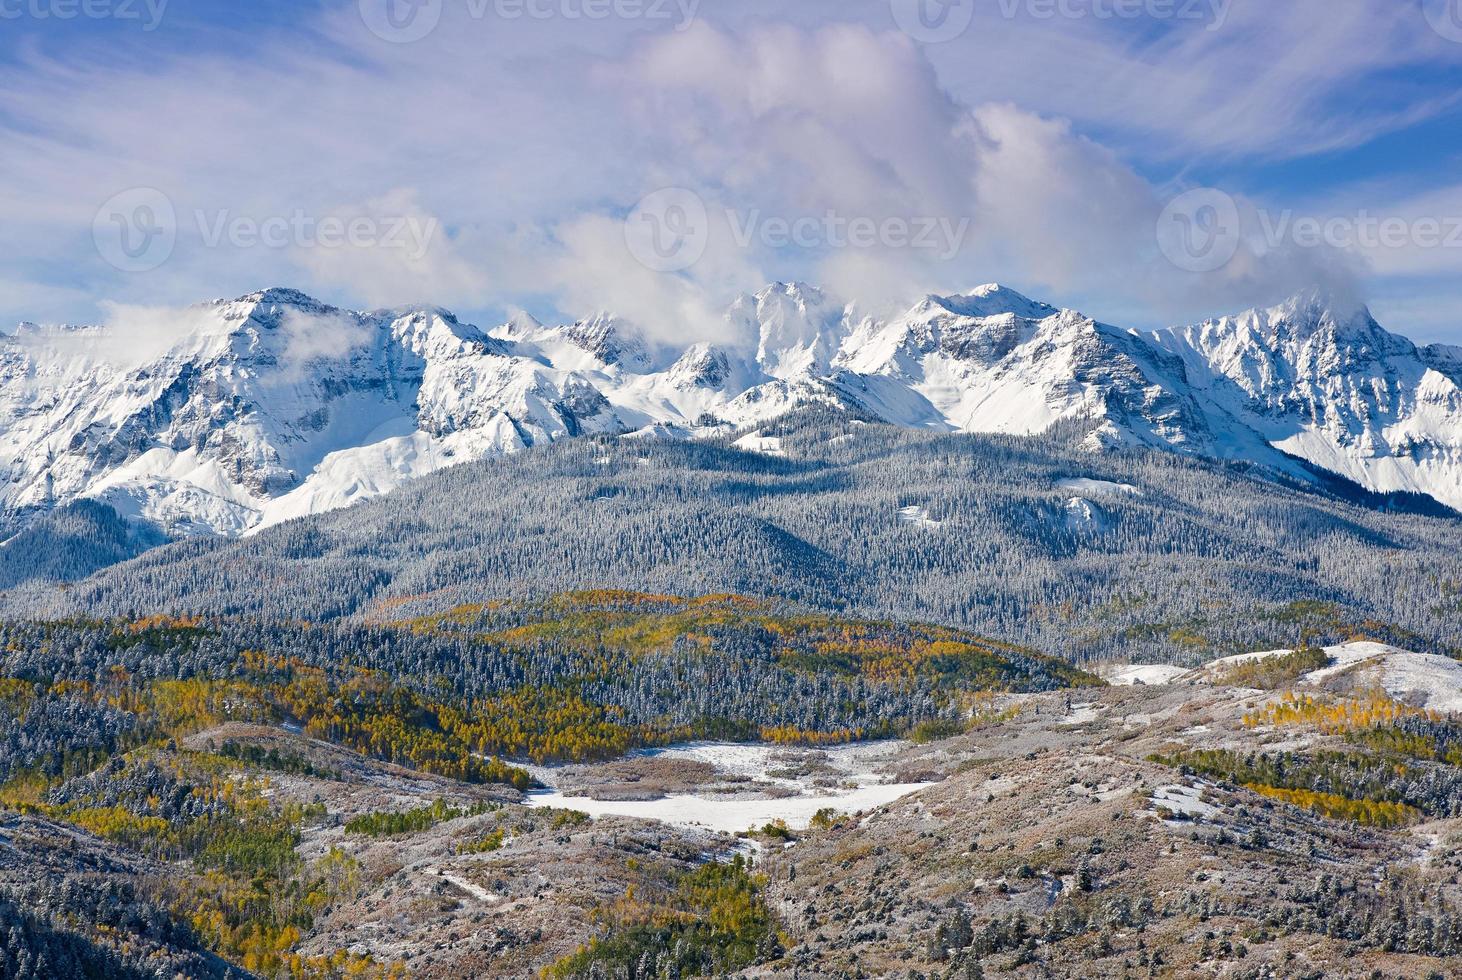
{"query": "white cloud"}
pixel 1274 80
pixel 526 143
pixel 135 334
pixel 595 271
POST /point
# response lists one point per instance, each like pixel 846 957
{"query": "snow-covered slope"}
pixel 1130 675
pixel 1335 389
pixel 995 361
pixel 272 406
pixel 1423 680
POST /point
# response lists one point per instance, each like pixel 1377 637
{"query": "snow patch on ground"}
pixel 731 815
pixel 1421 679
pixel 1149 675
pixel 1218 666
pixel 999 786
pixel 856 766
pixel 1083 515
pixel 918 516
pixel 476 891
pixel 856 762
pixel 1080 714
pixel 1184 800
pixel 661 431
pixel 758 443
pixel 1145 719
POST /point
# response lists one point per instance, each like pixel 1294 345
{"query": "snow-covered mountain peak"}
pixel 270 406
pixel 522 325
pixel 279 296
pixel 798 329
pixel 709 367
pixel 1301 320
pixel 436 334
pixel 978 330
pixel 803 294
pixel 261 328
pixel 600 343
pixel 1304 338
pixel 268 308
pixel 39 333
pixel 1320 309
pixel 611 341
pixel 1324 382
pixel 241 413
pixel 994 299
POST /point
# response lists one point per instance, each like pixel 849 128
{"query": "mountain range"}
pixel 441 712
pixel 238 415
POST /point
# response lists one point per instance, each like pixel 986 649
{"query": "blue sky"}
pixel 491 163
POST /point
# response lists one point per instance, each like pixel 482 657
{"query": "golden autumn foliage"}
pixel 643 623
pixel 240 878
pixel 790 735
pixel 1370 813
pixel 159 622
pixel 16 695
pixel 237 878
pixel 118 824
pixel 1334 716
pixel 545 725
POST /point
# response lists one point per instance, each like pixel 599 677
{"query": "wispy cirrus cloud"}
pixel 1274 80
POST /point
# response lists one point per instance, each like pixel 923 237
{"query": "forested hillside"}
pixel 70 543
pixel 97 718
pixel 589 677
pixel 1033 540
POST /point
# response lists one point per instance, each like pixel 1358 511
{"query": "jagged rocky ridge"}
pixel 249 412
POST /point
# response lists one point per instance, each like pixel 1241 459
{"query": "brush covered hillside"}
pixel 1184 830
pixel 203 799
pixel 126 745
pixel 1037 540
